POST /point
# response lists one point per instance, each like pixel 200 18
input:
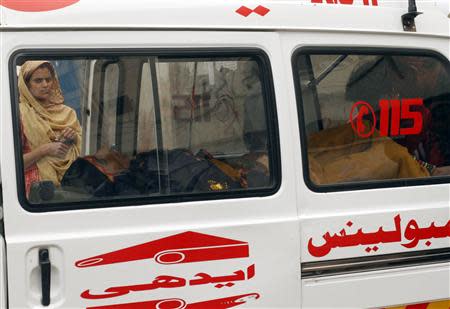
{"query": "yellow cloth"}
pixel 338 155
pixel 44 124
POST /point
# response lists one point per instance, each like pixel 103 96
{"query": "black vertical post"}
pixel 412 6
pixel 408 19
pixel 161 153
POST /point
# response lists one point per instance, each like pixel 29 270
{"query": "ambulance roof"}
pixel 327 15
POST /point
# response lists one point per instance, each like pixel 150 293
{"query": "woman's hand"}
pixel 55 149
pixel 68 135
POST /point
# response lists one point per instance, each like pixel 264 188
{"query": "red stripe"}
pixel 418 306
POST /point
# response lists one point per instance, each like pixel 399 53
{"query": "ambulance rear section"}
pixel 373 199
pixel 375 231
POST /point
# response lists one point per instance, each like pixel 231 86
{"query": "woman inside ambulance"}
pixel 50 130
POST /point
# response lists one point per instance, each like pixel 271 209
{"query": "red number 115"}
pixel 400 110
pixel 392 112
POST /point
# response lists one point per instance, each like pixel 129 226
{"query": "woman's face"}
pixel 40 84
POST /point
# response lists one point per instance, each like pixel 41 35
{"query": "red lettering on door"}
pixel 415 116
pixel 347 2
pixel 392 115
pixel 177 303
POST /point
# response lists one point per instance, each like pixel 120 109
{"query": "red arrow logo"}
pixel 187 247
pixel 177 303
pixel 36 5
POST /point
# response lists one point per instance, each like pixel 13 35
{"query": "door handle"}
pixel 45 266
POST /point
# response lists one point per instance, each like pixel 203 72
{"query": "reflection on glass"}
pixel 151 127
pixel 375 117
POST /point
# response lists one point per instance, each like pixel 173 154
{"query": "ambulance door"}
pixel 178 195
pixel 3 282
pixel 373 181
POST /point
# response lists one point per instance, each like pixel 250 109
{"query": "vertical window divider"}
pixel 102 101
pixel 163 175
pixel 314 90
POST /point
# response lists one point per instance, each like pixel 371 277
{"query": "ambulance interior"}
pixel 184 122
pixel 348 113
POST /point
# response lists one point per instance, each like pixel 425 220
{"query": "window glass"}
pixel 108 106
pixel 374 117
pixel 146 120
pixel 150 127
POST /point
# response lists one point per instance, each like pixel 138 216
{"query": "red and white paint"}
pixel 408 236
pixel 347 2
pixel 177 303
pixel 185 247
pixel 391 116
pixel 36 5
pixel 259 10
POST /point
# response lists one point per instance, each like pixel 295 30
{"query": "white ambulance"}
pixel 216 154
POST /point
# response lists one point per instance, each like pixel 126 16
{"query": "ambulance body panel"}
pixel 3 285
pixel 286 244
pixel 359 16
pixel 368 210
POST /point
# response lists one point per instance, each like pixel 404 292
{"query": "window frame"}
pixel 348 50
pixel 260 56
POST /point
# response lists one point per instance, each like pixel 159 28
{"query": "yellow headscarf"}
pixel 44 124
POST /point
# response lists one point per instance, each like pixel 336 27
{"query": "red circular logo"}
pixel 37 5
pixel 363 119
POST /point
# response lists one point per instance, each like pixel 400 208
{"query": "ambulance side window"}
pixel 371 119
pixel 146 128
